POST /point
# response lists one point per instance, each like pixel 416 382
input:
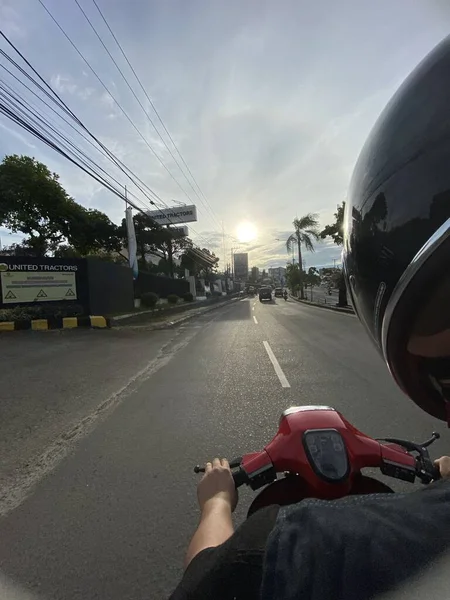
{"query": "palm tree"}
pixel 306 229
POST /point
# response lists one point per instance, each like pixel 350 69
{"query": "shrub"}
pixel 44 311
pixel 216 294
pixel 149 299
pixel 172 298
pixel 188 297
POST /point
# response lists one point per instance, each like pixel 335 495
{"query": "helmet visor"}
pixel 416 327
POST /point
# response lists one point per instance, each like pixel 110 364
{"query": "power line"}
pixel 61 104
pixel 207 205
pixel 139 102
pixel 115 100
pixel 49 139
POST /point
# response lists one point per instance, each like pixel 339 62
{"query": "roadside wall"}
pixel 110 287
pixel 97 286
pixel 163 286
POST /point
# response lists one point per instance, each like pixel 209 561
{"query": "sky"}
pixel 268 102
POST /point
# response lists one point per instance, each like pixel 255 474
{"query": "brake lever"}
pixel 426 471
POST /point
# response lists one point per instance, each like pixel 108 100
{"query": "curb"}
pixel 55 323
pixel 340 309
pixel 173 322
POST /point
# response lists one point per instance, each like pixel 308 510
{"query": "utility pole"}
pixel 223 245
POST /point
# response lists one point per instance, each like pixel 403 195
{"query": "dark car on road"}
pixel 278 292
pixel 265 293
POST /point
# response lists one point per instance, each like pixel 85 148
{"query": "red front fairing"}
pixel 286 452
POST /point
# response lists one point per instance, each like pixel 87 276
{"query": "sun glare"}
pixel 246 232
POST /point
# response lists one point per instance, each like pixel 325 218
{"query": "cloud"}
pixel 269 108
pixel 64 84
pixel 11 22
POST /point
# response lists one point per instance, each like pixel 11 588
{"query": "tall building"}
pixel 254 273
pixel 241 266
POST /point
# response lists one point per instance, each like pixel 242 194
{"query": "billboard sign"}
pixel 31 284
pixel 241 265
pixel 177 214
pixel 182 231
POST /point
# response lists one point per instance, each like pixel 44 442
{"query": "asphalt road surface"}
pixel 98 491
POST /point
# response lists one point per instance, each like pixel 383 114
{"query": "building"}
pixel 240 264
pixel 254 274
pixel 278 274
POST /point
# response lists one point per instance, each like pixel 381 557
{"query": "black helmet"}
pixel 397 234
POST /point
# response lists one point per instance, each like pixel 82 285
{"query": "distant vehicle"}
pixel 278 292
pixel 265 293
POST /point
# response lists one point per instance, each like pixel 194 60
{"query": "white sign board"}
pixel 181 231
pixel 37 286
pixel 177 214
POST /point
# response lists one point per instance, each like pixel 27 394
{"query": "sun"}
pixel 246 232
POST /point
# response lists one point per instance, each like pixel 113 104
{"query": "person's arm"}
pixel 217 498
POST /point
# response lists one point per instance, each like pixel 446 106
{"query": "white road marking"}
pixel 255 319
pixel 276 365
pixel 253 308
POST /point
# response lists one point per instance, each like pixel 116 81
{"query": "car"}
pixel 278 292
pixel 265 293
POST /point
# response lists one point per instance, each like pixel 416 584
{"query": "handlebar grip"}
pixel 240 477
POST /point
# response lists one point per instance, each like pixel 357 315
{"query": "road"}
pixel 99 497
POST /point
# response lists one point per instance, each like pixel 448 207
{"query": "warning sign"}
pixel 38 286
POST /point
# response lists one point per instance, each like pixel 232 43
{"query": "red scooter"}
pixel 320 455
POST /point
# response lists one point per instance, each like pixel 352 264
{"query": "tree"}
pixel 33 202
pixel 312 278
pixel 90 231
pixel 147 231
pixel 336 232
pixel 336 229
pixel 16 250
pixel 306 229
pixel 293 277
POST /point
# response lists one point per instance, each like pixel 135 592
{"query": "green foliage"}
pixel 91 231
pixel 33 202
pixel 336 229
pixel 43 311
pixel 149 299
pixel 188 297
pixel 164 266
pixel 293 277
pixel 306 229
pixel 172 298
pixel 312 277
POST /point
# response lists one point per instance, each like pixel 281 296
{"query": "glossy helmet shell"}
pixel 397 233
